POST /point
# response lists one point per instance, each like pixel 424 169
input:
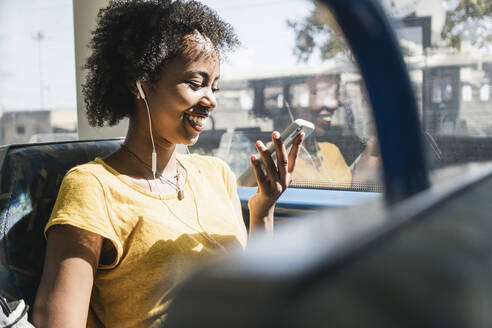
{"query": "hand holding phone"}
pixel 247 178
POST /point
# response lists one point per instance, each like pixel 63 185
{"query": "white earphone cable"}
pixel 154 154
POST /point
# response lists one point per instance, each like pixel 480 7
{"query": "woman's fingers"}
pixel 266 157
pixel 260 175
pixel 282 160
pixel 274 179
pixel 294 152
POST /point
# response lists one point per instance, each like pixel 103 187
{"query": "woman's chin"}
pixel 191 135
pixel 190 140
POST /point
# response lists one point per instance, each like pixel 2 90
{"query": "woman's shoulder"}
pixel 328 146
pixel 86 172
pixel 93 166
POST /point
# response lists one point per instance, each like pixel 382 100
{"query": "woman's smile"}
pixel 197 122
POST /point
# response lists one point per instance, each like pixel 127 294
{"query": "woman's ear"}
pixel 137 90
pixel 141 93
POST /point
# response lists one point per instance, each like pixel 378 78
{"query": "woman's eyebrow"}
pixel 203 74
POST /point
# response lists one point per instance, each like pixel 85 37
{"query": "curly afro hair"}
pixel 133 40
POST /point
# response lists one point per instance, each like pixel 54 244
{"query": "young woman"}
pixel 125 229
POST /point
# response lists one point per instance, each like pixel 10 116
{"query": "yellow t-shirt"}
pixel 157 239
pixel 333 172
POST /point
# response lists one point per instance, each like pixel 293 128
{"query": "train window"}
pixel 285 84
pixel 264 85
pixel 293 63
pixel 451 47
pixel 37 71
pixel 302 67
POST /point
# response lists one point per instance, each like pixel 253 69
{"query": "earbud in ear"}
pixel 140 90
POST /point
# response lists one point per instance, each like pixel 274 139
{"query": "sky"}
pixel 267 42
pixel 21 54
pixel 40 74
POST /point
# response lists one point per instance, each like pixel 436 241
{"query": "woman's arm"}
pixel 63 296
pixel 368 165
pixel 272 181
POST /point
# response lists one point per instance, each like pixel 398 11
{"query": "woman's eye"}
pixel 214 90
pixel 194 85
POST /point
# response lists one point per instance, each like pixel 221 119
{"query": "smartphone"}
pixel 247 178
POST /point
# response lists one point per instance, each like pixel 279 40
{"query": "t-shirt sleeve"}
pixel 81 203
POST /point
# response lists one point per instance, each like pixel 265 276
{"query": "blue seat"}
pixel 30 178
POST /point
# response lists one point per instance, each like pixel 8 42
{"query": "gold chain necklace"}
pixel 162 178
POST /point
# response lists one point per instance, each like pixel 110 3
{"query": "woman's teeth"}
pixel 197 120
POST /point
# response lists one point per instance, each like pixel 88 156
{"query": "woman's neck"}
pixel 140 144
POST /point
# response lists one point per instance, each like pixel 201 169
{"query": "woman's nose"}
pixel 209 99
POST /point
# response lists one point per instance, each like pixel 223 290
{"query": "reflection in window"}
pixel 467 93
pixel 265 94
